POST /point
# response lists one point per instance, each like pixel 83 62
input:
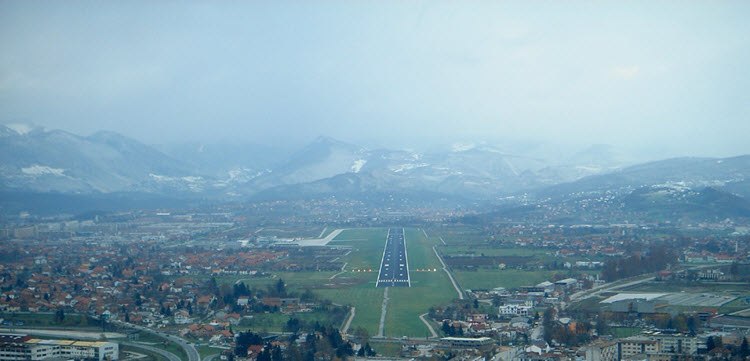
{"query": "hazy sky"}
pixel 627 73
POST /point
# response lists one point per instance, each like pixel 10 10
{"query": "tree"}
pixel 276 354
pixel 60 316
pixel 280 288
pixel 293 325
pixel 362 334
pixel 369 351
pixel 446 328
pixel 744 349
pixel 713 342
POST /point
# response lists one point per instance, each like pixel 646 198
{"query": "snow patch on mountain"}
pixel 408 166
pixel 37 170
pixel 20 128
pixel 358 164
pixel 593 169
pixel 462 146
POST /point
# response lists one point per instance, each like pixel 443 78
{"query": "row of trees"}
pixel 324 342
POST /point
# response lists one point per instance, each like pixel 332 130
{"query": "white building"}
pixel 25 348
pixel 513 310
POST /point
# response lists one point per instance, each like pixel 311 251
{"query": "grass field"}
pixel 621 332
pixel 295 280
pixel 48 319
pixel 487 251
pixel 509 278
pixel 419 250
pixel 365 297
pixel 459 236
pixel 406 304
pixel 275 322
pixel 367 247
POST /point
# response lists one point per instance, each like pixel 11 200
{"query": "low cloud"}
pixel 626 72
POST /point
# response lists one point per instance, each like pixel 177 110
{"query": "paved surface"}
pixel 187 346
pixel 381 327
pixel 210 357
pixel 394 267
pixel 349 321
pixel 320 241
pixel 77 334
pixel 445 268
pixel 167 354
pixel 432 330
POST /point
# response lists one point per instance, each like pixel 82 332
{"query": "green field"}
pixel 47 319
pixel 622 332
pixel 508 278
pixel 275 322
pixel 295 280
pixel 367 247
pixel 491 251
pixel 365 298
pixel 406 304
pixel 419 250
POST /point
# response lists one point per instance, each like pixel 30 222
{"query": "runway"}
pixel 394 267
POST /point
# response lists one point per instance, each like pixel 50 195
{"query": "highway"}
pixel 394 267
pixel 190 350
pixel 170 356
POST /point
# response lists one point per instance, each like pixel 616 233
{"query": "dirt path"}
pixel 381 328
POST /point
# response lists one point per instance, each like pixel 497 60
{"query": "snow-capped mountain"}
pixel 37 159
pixel 34 159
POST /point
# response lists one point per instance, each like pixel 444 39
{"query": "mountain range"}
pixel 35 160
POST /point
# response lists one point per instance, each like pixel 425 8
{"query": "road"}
pixel 349 321
pixel 210 357
pixel 71 333
pixel 432 330
pixel 190 350
pixel 381 327
pixel 450 276
pixel 394 267
pixel 167 354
